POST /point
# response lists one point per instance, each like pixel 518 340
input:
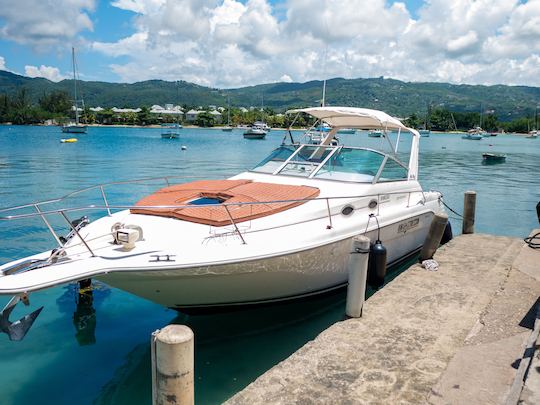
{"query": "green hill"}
pixel 393 96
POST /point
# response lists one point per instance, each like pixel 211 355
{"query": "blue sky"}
pixel 232 43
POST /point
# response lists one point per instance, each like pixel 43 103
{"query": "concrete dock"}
pixel 452 336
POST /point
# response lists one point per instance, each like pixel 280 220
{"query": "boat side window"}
pixel 359 165
pixel 393 171
pixel 275 159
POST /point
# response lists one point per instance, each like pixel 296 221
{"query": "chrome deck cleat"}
pixel 17 330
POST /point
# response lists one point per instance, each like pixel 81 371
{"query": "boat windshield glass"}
pixel 275 159
pixel 306 160
pixel 355 164
pixel 350 164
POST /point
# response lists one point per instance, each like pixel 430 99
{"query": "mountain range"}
pixel 395 97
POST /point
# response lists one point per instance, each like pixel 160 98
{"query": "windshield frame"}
pixel 334 151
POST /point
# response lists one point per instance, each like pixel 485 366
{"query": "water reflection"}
pixel 231 349
pixel 84 296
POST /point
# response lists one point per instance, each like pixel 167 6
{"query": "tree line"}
pixel 441 119
pixel 57 106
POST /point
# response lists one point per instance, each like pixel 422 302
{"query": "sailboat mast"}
pixel 323 93
pixel 75 85
pixel 228 110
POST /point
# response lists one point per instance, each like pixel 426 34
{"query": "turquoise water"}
pixel 99 353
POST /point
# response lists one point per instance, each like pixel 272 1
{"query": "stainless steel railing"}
pixel 63 212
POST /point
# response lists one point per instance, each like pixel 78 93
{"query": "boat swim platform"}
pixel 453 336
pixel 224 191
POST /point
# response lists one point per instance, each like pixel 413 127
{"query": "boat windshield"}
pixel 275 159
pixel 362 165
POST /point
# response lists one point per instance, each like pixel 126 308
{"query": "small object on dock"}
pixel 358 265
pixel 172 365
pixel 430 265
pixel 469 209
pixel 434 236
pixel 183 147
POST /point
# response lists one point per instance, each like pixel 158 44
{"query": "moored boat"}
pixel 75 127
pixel 493 157
pixel 170 130
pixel 375 133
pixel 256 131
pixel 474 134
pixel 348 131
pixel 280 231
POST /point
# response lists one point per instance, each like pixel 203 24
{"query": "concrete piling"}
pixel 434 236
pixel 469 209
pixel 172 366
pixel 358 266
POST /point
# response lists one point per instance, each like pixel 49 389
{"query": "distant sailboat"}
pixel 75 127
pixel 171 130
pixel 228 128
pixel 534 133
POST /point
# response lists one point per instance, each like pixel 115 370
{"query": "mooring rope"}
pixel 529 240
pixel 457 213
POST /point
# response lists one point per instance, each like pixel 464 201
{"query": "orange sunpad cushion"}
pixel 228 191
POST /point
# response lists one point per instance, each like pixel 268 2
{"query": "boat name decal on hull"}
pixel 407 226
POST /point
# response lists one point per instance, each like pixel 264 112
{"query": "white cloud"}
pixel 41 23
pixel 47 72
pixel 230 43
pixel 2 63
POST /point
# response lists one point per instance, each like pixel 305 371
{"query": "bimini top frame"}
pixel 364 118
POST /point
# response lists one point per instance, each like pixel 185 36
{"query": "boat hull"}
pixel 291 276
pixel 74 129
pixel 254 135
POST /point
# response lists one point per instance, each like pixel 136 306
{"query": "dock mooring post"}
pixel 357 267
pixel 434 236
pixel 172 366
pixel 469 209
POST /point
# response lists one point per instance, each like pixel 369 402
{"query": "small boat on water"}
pixel 68 140
pixel 257 131
pixel 375 133
pixel 228 128
pixel 280 231
pixel 424 133
pixel 474 134
pixel 490 158
pixel 349 131
pixel 532 134
pixel 170 130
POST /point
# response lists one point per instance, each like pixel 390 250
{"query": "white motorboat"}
pixel 280 231
pixel 170 130
pixel 475 134
pixel 256 131
pixel 375 133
